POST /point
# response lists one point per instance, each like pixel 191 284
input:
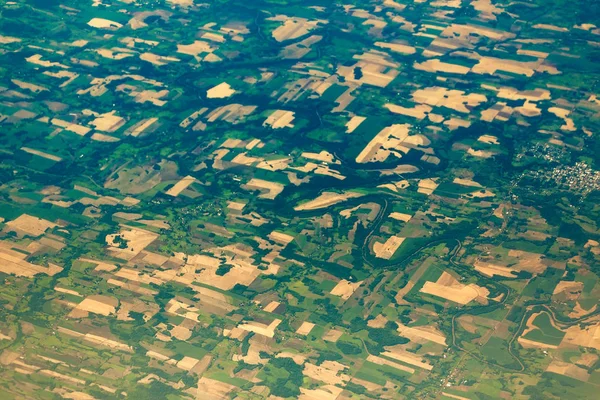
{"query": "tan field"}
pixel 41 154
pixel 400 354
pixel 68 291
pixel 402 292
pixel 427 186
pixel 489 139
pixel 202 268
pixel 531 262
pixel 454 99
pixel 400 216
pixel 280 119
pixel 378 322
pixel 157 59
pixel 479 194
pixel 586 337
pixel 114 53
pixel 103 23
pixel 327 199
pixel 332 335
pixel 261 329
pixel 180 186
pixel 97 304
pixel 587 359
pixel 386 250
pixel 293 28
pixel 268 190
pixel 187 363
pixel 281 238
pixel 481 153
pixel 95 339
pixel 108 122
pixel 323 156
pixel 272 306
pixel 141 126
pixel 367 384
pixel 377 67
pixel 578 311
pixel 490 269
pixel 397 47
pixel 181 333
pixel 328 392
pixel 563 114
pixel 232 113
pixel 13 262
pixel 8 39
pixel 29 225
pixel 195 48
pixel 395 139
pixel 305 328
pixel 449 288
pixel 491 65
pixel 213 389
pixel 422 334
pixel 567 369
pixel 571 289
pixel 419 111
pixel 345 289
pixel 354 123
pixel 466 182
pixel 435 65
pixel 137 240
pixel 383 361
pixel 221 91
pixel 29 86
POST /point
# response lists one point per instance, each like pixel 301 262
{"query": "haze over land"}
pixel 291 199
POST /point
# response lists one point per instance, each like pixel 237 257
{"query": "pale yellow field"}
pixel 280 119
pixel 397 47
pixel 305 328
pixel 261 329
pixel 490 269
pixel 383 361
pixel 272 306
pixel 422 334
pixel 31 226
pixel 327 392
pixel 567 369
pixel 332 335
pixel 269 190
pixel 13 262
pixel 354 123
pixel 427 186
pixel 180 186
pixel 137 240
pixel 327 199
pixel 400 216
pixel 449 288
pixel 435 65
pixel 399 354
pixel 41 154
pixel 213 389
pixel 221 91
pixel 586 337
pixel 386 250
pixel 103 23
pixel 345 289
